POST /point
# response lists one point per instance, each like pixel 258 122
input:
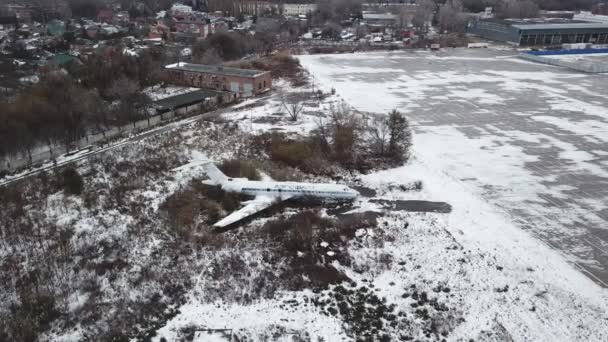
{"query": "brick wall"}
pixel 243 86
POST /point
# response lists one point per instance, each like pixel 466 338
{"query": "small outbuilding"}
pixel 192 101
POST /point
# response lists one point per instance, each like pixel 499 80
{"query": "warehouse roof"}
pixel 379 16
pixel 549 23
pixel 182 100
pixel 215 69
pixel 562 26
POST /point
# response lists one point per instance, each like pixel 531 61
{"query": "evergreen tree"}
pixel 400 136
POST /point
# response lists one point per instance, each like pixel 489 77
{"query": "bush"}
pixel 281 65
pixel 229 201
pixel 32 316
pixel 292 153
pixel 285 58
pixel 183 209
pixel 240 169
pixel 400 136
pixel 72 182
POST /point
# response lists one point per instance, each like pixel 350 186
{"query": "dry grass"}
pixel 281 65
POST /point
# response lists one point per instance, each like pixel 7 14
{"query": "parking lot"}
pixel 531 139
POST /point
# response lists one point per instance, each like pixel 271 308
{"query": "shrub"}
pixel 400 136
pixel 32 315
pixel 285 58
pixel 183 207
pixel 285 173
pixel 231 201
pixel 344 140
pixel 292 153
pixel 229 45
pixel 281 65
pixel 72 181
pixel 240 169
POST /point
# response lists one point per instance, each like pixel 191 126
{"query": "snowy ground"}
pixel 471 273
pixel 260 115
pixel 499 282
pixel 528 138
pixel 158 92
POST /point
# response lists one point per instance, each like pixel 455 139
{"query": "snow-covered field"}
pixel 467 273
pixel 528 138
pixel 518 149
pixel 498 282
pixel 503 283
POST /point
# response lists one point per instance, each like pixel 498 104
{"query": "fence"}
pixel 579 65
pixel 46 153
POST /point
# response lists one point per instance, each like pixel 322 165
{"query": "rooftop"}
pixel 548 23
pixel 186 99
pixel 215 69
pixel 379 16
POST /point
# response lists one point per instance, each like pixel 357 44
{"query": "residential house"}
pixel 159 31
pixel 122 17
pixel 91 31
pixel 255 7
pixel 298 9
pixel 192 24
pixel 20 13
pixel 55 28
pixel 105 16
pixel 382 19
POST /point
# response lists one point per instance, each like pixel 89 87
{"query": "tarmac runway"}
pixel 531 139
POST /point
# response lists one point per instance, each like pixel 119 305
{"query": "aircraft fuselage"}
pixel 289 189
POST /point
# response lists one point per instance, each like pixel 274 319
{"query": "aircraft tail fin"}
pixel 215 175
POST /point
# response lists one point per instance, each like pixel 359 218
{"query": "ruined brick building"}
pixel 241 82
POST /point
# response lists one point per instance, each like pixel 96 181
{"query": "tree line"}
pixel 66 105
pixel 346 138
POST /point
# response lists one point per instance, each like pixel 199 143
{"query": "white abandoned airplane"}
pixel 266 193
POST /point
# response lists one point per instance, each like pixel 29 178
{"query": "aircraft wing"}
pixel 258 204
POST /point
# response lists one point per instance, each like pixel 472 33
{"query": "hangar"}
pixel 540 32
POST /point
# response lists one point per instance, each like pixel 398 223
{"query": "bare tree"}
pixel 293 104
pixel 379 132
pixel 517 9
pixel 362 31
pixel 345 128
pixel 122 87
pixel 209 57
pixel 405 18
pixel 424 13
pixel 451 17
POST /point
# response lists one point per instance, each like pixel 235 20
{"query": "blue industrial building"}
pixel 540 32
